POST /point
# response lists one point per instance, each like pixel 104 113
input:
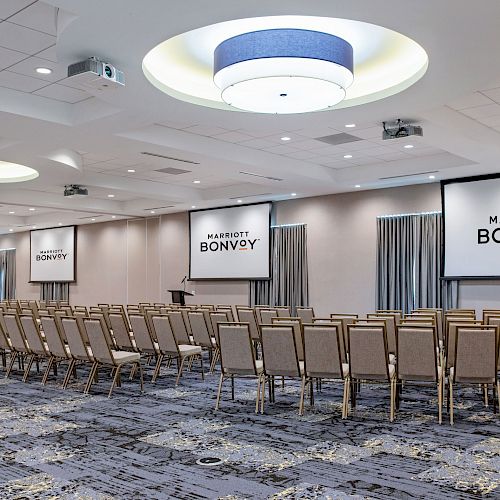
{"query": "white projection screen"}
pixel 230 243
pixel 471 211
pixel 53 254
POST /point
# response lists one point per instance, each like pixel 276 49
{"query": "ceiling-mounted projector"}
pixel 95 74
pixel 75 190
pixel 400 129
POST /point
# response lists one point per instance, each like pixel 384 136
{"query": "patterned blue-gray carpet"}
pixel 59 443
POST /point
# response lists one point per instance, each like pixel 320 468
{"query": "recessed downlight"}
pixel 152 212
pixel 347 156
pixel 93 219
pixel 196 182
pixel 293 194
pixel 43 71
pixel 350 125
pixel 239 201
pixel 111 195
pixel 131 171
pixel 286 138
pixel 408 146
pixel 60 224
pixel 32 209
pixel 12 213
pixel 113 216
pixel 432 176
pixel 33 227
pixel 13 172
pixel 193 206
pixel 357 186
pixel 10 230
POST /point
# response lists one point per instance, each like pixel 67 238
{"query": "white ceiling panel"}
pixel 493 94
pixel 470 101
pixel 20 82
pixel 9 57
pixel 482 111
pixel 233 137
pixel 10 7
pixel 38 16
pixel 15 37
pixel 28 67
pixel 63 93
pixel 49 54
pixel 206 130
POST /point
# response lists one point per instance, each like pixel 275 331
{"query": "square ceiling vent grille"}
pixel 336 139
pixel 173 171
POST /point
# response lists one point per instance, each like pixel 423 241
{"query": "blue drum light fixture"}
pixel 283 71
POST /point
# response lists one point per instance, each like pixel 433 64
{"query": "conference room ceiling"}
pixel 138 150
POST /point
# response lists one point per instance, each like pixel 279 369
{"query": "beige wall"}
pixel 139 260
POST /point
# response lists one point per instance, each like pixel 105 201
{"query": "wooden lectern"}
pixel 179 296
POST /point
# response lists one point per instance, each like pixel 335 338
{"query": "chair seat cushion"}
pixel 392 359
pixel 122 357
pixel 189 350
pixel 259 365
pixel 345 369
pixel 392 371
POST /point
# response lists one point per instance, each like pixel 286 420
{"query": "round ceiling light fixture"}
pixel 283 71
pixel 13 172
pixel 218 65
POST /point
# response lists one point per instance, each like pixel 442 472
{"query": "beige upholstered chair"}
pixel 145 342
pixel 451 334
pixel 296 324
pixel 490 313
pixel 390 329
pixel 168 346
pixel 217 317
pixel 56 347
pixel 18 346
pixel 280 356
pixel 346 319
pixel 237 358
pixel 5 346
pixel 417 355
pixel 37 347
pixel 178 324
pixel 121 333
pixel 228 310
pixel 79 348
pixel 306 314
pixel 202 337
pixel 476 360
pixel 247 315
pixel 369 359
pixel 397 313
pixel 283 311
pixel 323 345
pixel 104 355
pixel 105 328
pixel 338 323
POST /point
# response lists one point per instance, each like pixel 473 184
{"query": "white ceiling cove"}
pixel 137 149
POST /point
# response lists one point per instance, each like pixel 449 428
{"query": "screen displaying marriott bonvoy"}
pixel 230 243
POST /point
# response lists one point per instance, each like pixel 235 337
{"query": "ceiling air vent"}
pixel 262 176
pixel 407 175
pixel 249 196
pixel 336 139
pixel 172 171
pixel 90 217
pixel 159 208
pixel 156 155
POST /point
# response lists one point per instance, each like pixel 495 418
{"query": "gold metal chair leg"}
pixel 485 392
pixel 201 363
pixel 157 369
pixel 263 394
pixel 219 391
pixel 450 389
pixel 69 372
pixel 440 401
pixel 90 380
pixel 393 392
pixel 115 379
pixel 344 398
pixel 141 375
pixel 46 372
pixel 257 398
pixel 179 374
pixel 13 356
pixel 27 370
pixel 302 395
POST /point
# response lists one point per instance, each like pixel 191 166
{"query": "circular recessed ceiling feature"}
pixel 385 63
pixel 13 172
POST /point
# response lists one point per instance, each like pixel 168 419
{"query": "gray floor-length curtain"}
pixel 289 283
pixel 8 274
pixel 54 291
pixel 409 263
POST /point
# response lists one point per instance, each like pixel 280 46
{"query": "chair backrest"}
pixel 80 309
pixel 283 311
pixel 79 315
pixel 247 315
pixel 4 343
pixel 149 312
pixel 199 329
pixel 53 337
pixel 236 349
pixel 451 335
pixel 398 314
pixel 416 353
pixel 32 334
pixel 101 350
pixel 178 325
pixel 296 324
pixel 390 329
pixel 322 350
pixel 121 333
pixel 143 340
pixel 228 310
pixel 476 354
pixel 15 333
pixel 75 334
pixel 267 315
pixel 165 335
pixel 104 325
pixel 216 318
pixel 306 314
pixel 339 324
pixel 279 350
pixel 490 313
pixel 57 316
pixel 368 354
pixel 67 309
